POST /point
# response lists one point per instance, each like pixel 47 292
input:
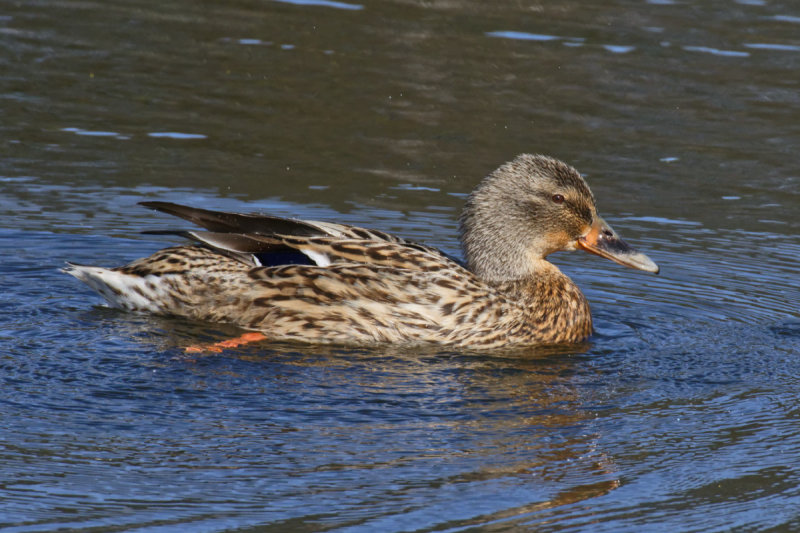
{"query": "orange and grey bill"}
pixel 604 241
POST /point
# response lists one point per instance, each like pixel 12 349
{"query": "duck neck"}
pixel 496 246
pixel 554 308
pixel 515 263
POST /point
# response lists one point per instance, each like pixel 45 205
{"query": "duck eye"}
pixel 557 198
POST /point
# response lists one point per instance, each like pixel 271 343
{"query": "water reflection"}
pixel 324 3
pixel 468 420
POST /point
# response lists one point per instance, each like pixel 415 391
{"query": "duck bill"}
pixel 604 241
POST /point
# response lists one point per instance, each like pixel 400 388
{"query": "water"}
pixel 681 414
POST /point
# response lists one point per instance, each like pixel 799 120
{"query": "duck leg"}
pixel 246 338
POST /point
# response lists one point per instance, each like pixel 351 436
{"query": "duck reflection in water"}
pixel 518 418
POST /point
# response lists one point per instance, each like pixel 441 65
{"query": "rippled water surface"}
pixel 680 414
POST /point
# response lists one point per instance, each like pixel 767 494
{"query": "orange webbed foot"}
pixel 230 343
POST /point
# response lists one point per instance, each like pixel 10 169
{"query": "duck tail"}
pixel 124 291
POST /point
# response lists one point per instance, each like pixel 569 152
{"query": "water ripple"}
pixel 323 3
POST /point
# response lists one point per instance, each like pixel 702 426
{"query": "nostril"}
pixel 607 233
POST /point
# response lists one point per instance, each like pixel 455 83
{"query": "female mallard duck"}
pixel 321 282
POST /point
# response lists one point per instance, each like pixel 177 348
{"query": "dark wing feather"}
pixel 270 241
pixel 222 222
pixel 253 250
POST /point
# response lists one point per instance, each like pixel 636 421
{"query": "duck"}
pixel 286 279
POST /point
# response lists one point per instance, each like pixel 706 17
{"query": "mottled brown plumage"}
pixel 365 286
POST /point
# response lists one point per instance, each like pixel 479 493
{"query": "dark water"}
pixel 681 414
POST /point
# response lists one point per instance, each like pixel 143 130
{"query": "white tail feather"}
pixel 124 291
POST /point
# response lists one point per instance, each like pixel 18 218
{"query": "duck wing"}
pixel 226 222
pixel 265 240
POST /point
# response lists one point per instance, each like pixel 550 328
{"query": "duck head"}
pixel 529 208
